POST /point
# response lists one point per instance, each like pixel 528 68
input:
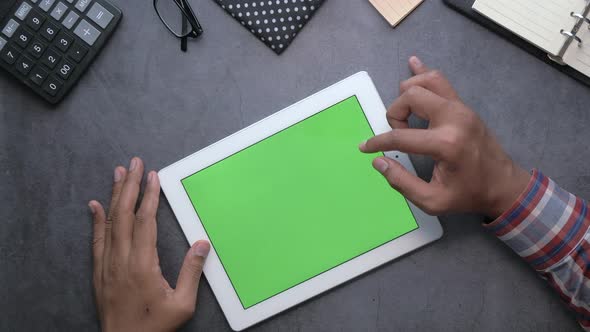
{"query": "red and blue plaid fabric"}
pixel 548 227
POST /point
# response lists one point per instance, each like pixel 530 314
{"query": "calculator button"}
pixel 2 43
pixel 65 69
pixel 100 15
pixel 78 52
pixel 46 4
pixel 24 65
pixel 35 20
pixel 82 5
pixel 49 30
pixel 70 20
pixel 36 49
pixel 64 42
pixel 38 75
pixel 59 11
pixel 50 58
pixel 10 28
pixel 52 86
pixel 23 38
pixel 87 32
pixel 70 1
pixel 23 11
pixel 9 54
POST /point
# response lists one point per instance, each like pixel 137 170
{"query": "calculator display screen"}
pixel 297 204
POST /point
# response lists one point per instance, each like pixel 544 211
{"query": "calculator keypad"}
pixel 10 28
pixel 23 38
pixel 65 69
pixel 36 49
pixel 52 86
pixel 100 15
pixel 47 42
pixel 81 5
pixel 35 20
pixel 78 52
pixel 24 65
pixel 46 5
pixel 9 54
pixel 50 58
pixel 87 32
pixel 59 10
pixel 70 20
pixel 49 30
pixel 38 75
pixel 64 41
pixel 23 11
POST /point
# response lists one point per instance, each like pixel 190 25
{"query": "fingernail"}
pixel 150 177
pixel 118 175
pixel 92 209
pixel 201 249
pixel 362 146
pixel 133 164
pixel 381 165
pixel 415 61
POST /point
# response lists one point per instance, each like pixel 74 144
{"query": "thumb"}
pixel 410 186
pixel 190 273
pixel 417 66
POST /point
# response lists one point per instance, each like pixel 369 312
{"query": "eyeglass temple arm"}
pixel 183 40
pixel 190 15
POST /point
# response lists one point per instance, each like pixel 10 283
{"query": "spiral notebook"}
pixel 561 28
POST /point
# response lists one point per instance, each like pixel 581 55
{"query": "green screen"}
pixel 297 204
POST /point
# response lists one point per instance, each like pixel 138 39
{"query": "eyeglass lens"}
pixel 173 16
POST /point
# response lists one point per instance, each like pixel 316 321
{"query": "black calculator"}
pixel 49 44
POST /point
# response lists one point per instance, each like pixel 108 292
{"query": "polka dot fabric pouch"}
pixel 274 22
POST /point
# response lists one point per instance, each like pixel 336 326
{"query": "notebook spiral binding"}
pixel 581 17
pixel 572 35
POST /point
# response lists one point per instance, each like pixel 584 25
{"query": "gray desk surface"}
pixel 144 97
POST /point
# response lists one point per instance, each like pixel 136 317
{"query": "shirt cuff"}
pixel 545 223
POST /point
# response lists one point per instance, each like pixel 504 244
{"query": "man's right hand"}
pixel 472 172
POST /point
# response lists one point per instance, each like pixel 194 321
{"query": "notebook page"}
pixel 537 21
pixel 578 57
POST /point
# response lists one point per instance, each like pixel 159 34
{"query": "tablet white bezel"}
pixel 239 318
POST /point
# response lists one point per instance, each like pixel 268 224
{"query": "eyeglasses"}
pixel 179 18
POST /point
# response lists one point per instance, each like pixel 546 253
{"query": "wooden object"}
pixel 394 11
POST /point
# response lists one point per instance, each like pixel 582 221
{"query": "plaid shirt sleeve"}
pixel 548 227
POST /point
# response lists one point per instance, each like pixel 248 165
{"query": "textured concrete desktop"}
pixel 144 97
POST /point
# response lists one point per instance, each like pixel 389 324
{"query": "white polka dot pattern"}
pixel 274 22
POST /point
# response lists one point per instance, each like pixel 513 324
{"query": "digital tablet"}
pixel 291 206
